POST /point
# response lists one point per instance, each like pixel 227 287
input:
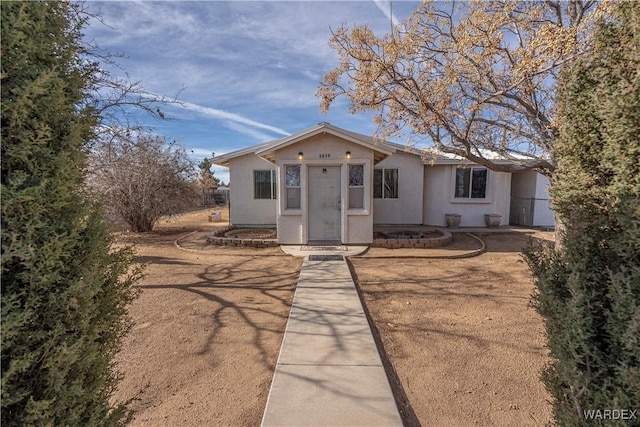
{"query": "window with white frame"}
pixel 471 183
pixel 264 184
pixel 356 186
pixel 385 183
pixel 292 186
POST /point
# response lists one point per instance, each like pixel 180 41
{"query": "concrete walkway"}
pixel 329 371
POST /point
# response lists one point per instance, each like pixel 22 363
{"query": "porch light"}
pixel 300 155
pixel 348 154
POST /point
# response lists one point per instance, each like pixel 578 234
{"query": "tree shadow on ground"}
pixel 161 260
pixel 423 301
pixel 225 285
pixel 448 288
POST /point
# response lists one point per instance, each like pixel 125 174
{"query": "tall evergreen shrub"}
pixel 64 290
pixel 588 291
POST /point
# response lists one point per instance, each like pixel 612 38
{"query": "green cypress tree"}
pixel 588 291
pixel 65 290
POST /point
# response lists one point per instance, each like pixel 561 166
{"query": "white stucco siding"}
pixel 290 230
pixel 501 185
pixel 530 200
pixel 320 150
pixel 322 200
pixel 325 148
pixel 359 229
pixel 245 210
pixel 437 186
pixel 543 215
pixel 439 181
pixel 407 208
pixel 542 186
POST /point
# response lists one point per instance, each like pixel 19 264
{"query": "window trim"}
pixel 383 187
pixel 272 187
pixel 299 187
pixel 470 200
pixel 361 186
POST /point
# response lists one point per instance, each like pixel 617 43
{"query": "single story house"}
pixel 330 184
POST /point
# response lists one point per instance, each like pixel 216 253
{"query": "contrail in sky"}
pixel 385 7
pixel 236 118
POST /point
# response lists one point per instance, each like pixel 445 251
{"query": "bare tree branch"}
pixel 472 77
pixel 141 178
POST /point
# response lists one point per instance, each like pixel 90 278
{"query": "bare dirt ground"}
pixel 208 329
pixel 461 343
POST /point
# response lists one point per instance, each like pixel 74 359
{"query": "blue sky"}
pixel 248 70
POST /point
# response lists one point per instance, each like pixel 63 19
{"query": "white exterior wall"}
pixel 543 215
pixel 529 189
pixel 328 150
pixel 407 208
pixel 439 182
pixel 244 209
pixel 426 193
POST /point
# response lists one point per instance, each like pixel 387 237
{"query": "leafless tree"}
pixel 141 178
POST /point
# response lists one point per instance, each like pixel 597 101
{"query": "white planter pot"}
pixel 452 220
pixel 493 220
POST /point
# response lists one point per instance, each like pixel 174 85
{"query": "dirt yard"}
pixel 208 328
pixel 462 344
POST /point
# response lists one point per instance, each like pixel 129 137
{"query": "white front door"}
pixel 324 203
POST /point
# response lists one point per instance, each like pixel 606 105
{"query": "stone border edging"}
pixel 483 248
pixel 218 238
pixel 419 243
pixel 470 254
pixel 264 243
pixel 182 248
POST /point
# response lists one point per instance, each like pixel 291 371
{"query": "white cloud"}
pixel 239 52
pixel 230 118
pixel 253 133
pixel 250 70
pixel 386 7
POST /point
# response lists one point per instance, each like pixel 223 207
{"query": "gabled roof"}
pixel 223 160
pixel 381 149
pixel 267 150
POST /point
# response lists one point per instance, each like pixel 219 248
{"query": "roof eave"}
pixel 267 150
pixel 318 130
pixel 224 159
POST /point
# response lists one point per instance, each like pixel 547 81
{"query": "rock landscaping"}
pixel 411 239
pixel 244 237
